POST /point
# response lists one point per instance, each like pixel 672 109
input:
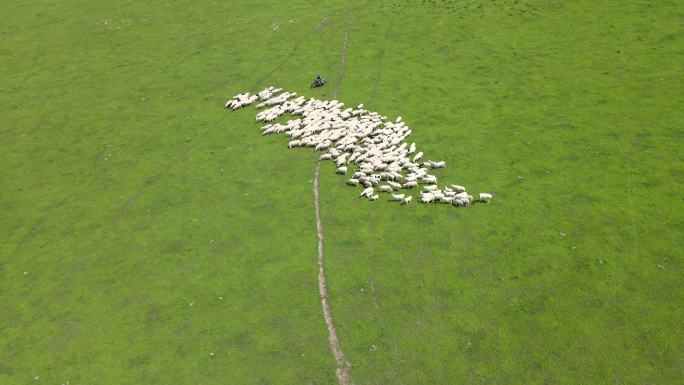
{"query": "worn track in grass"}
pixel 343 364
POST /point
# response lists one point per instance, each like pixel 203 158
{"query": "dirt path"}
pixel 343 366
pixel 318 27
pixel 343 65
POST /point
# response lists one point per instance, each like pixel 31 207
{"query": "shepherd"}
pixel 318 81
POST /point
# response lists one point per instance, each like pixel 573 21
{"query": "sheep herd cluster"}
pixel 356 136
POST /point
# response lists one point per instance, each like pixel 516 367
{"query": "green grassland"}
pixel 143 227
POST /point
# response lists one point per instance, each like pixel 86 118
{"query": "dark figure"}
pixel 318 81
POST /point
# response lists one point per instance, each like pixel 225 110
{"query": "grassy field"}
pixel 143 227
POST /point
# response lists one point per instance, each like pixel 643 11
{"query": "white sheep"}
pixel 485 197
pixel 427 198
pixel 397 197
pixel 407 200
pixel 367 192
pixel 354 136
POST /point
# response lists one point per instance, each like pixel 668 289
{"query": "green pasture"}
pixel 148 236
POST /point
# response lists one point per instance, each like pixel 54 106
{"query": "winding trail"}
pixel 343 365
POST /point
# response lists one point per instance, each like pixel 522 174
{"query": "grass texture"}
pixel 144 228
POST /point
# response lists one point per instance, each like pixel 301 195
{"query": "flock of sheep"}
pixel 385 163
